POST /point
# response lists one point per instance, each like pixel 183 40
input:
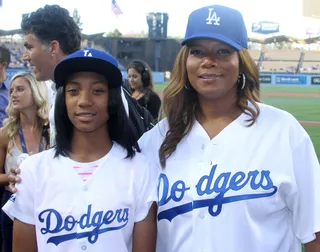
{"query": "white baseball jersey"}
pixel 51 91
pixel 51 113
pixel 72 215
pixel 249 189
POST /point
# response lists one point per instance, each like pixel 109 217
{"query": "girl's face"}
pixel 87 96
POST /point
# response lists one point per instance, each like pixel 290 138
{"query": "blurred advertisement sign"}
pixel 265 27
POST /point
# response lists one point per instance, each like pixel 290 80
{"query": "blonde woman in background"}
pixel 24 132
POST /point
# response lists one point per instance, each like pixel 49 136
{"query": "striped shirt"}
pixel 85 171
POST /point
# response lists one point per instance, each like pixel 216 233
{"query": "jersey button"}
pixel 85 188
pixel 201 215
pixel 84 247
pixel 202 146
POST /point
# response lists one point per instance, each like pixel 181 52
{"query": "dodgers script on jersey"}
pixel 72 215
pixel 248 189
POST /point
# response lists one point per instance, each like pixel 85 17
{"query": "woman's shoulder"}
pixel 41 156
pixel 153 138
pixel 154 95
pixel 274 115
pixel 282 122
pixel 4 139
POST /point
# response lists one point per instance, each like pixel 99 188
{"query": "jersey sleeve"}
pixel 21 205
pixel 147 181
pixel 304 202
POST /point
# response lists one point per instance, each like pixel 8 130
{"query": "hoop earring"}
pixel 243 77
pixel 188 86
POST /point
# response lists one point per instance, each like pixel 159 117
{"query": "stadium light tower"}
pixel 157 23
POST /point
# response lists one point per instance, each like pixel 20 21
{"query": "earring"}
pixel 243 77
pixel 188 86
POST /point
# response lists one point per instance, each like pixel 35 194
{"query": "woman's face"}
pixel 21 94
pixel 134 79
pixel 87 97
pixel 213 69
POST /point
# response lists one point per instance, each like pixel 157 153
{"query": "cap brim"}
pixel 86 64
pixel 213 36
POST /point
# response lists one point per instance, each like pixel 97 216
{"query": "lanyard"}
pixel 23 143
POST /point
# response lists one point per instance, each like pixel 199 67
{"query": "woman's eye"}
pixel 195 52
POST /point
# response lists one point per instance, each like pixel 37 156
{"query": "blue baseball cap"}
pixel 219 23
pixel 88 60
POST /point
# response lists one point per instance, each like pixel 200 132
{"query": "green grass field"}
pixel 269 88
pixel 302 108
pixel 291 89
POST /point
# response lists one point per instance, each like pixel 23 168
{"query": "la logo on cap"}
pixel 213 17
pixel 87 53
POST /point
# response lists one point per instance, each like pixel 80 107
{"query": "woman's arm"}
pixel 313 246
pixel 3 151
pixel 145 232
pixel 154 105
pixel 24 237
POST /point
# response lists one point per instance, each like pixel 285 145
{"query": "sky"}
pixel 96 15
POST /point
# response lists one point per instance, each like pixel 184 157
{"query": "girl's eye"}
pixel 72 91
pixel 98 91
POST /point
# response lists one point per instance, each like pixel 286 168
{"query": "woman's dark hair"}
pixel 120 128
pixel 145 71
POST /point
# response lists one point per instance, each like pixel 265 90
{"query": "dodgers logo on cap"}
pixel 212 17
pixel 87 53
pixel 89 60
pixel 217 22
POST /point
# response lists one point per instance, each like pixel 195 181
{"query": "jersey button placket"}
pixel 201 215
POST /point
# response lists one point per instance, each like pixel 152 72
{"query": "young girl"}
pixel 25 132
pixel 89 193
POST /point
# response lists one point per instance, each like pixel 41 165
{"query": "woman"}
pixel 235 174
pixel 60 204
pixel 141 83
pixel 25 132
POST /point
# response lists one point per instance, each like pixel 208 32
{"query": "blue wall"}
pixel 290 79
pixel 265 78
